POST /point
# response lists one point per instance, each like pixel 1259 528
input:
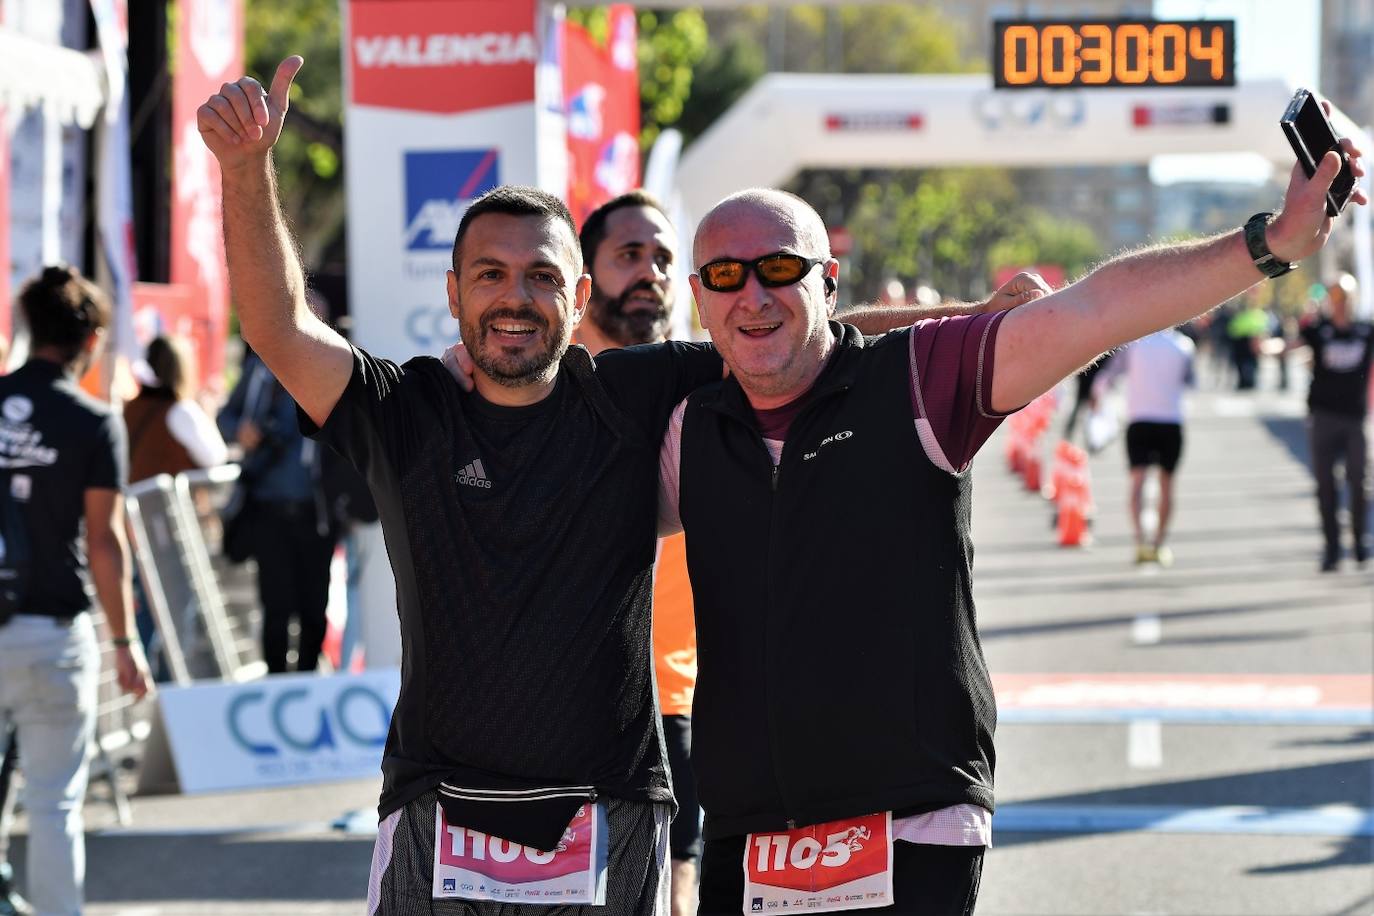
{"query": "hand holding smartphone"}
pixel 1311 135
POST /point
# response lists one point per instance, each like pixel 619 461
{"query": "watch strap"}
pixel 1258 246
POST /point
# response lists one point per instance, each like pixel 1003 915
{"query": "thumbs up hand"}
pixel 242 122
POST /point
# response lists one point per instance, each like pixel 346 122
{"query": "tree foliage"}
pixel 950 228
pixel 310 150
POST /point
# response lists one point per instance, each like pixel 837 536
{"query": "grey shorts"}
pixel 401 883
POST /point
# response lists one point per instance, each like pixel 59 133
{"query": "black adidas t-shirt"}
pixel 1341 359
pixel 522 541
pixel 56 442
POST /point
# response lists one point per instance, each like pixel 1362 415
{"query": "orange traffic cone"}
pixel 1075 499
pixel 1073 520
pixel 1016 449
pixel 332 648
pixel 1030 472
pixel 1058 471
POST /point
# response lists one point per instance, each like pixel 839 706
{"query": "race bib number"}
pixel 842 865
pixel 471 865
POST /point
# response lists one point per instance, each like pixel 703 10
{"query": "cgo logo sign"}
pixel 275 723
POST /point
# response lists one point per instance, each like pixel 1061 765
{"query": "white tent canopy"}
pixel 68 84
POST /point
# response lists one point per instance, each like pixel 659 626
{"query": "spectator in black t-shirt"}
pixel 62 463
pixel 1338 400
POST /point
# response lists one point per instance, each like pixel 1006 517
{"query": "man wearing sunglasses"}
pixel 631 250
pixel 843 717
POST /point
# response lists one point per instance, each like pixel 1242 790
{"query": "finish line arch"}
pixel 788 122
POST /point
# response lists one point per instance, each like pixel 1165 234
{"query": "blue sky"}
pixel 1272 40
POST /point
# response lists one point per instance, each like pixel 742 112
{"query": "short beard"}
pixel 627 328
pixel 512 371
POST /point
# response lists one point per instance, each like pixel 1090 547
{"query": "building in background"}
pixel 1347 45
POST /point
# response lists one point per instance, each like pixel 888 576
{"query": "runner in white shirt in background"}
pixel 1157 369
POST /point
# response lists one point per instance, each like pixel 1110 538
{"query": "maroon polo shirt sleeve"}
pixel 951 386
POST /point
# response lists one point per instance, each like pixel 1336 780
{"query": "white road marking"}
pixel 1145 744
pixel 1147 629
pixel 1325 820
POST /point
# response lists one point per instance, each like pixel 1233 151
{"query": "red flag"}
pixel 601 86
pixel 209 52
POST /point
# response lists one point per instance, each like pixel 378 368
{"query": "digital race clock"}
pixel 1122 52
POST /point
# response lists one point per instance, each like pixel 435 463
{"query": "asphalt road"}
pixel 1215 771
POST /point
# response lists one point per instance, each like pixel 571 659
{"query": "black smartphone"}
pixel 1310 133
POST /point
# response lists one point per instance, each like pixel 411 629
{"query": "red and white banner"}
pixel 601 86
pixel 440 107
pixel 445 58
pixel 209 52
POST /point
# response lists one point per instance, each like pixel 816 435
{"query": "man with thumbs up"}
pixel 525 748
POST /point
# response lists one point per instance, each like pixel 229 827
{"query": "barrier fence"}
pixel 204 609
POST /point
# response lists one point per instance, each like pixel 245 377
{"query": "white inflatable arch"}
pixel 789 122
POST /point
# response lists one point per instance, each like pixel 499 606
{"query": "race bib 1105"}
pixel 842 865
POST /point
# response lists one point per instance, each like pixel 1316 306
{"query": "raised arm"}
pixel 879 319
pixel 240 124
pixel 1144 291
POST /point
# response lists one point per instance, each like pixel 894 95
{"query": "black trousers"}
pixel 685 837
pixel 926 880
pixel 1337 438
pixel 293 581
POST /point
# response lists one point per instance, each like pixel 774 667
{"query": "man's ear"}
pixel 452 283
pixel 694 283
pixel 581 297
pixel 831 275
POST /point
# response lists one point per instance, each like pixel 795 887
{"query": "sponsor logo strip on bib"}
pixel 842 865
pixel 471 865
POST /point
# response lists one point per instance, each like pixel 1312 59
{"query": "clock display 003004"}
pixel 1140 52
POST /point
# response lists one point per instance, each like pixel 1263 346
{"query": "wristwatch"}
pixel 1264 259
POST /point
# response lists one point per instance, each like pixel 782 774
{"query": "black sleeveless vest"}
pixel 839 668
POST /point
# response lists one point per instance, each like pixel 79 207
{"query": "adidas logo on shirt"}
pixel 474 476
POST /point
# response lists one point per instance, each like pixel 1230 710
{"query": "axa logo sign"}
pixel 275 723
pixel 584 112
pixel 439 186
pixel 418 55
pixel 617 167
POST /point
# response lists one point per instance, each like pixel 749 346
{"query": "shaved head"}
pixel 786 209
